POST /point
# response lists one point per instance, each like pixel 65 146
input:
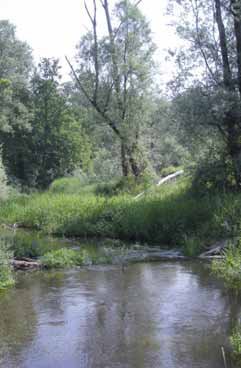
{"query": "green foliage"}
pixel 170 170
pixel 4 189
pixel 213 172
pixel 57 144
pixel 6 277
pixel 124 185
pixel 169 215
pixel 229 268
pixel 192 246
pixel 68 258
pixel 68 185
pixel 235 341
pixel 62 258
pixel 116 73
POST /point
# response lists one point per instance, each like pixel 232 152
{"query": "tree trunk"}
pixel 132 161
pixel 126 170
pixel 234 147
pixel 237 167
pixel 227 75
pixel 136 160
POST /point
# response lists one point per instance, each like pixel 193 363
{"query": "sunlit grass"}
pixel 169 215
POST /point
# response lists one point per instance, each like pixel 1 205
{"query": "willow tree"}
pixel 210 63
pixel 114 74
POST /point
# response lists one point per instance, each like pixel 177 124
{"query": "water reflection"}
pixel 152 315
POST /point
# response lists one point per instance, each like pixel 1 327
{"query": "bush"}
pixel 62 258
pixel 125 185
pixel 70 185
pixel 229 268
pixel 192 246
pixel 235 341
pixel 213 173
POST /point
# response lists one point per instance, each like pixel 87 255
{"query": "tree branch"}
pixel 227 75
pixel 88 12
pixel 93 103
pixel 93 20
pixel 114 58
pixel 237 31
pixel 195 12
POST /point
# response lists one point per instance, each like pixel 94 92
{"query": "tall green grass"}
pixel 169 215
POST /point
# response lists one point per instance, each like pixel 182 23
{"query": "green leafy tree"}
pixel 209 66
pixel 114 76
pixel 15 68
pixel 56 144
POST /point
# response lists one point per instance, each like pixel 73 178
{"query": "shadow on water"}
pixel 152 315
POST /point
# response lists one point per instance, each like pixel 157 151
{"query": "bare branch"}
pixel 93 20
pixel 102 113
pixel 138 2
pixel 195 13
pixel 118 28
pixel 115 68
pixel 88 12
pixel 237 31
pixel 96 56
pixel 227 74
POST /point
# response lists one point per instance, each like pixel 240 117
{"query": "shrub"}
pixel 70 185
pixel 213 173
pixel 192 246
pixel 125 185
pixel 62 258
pixel 235 341
pixel 229 268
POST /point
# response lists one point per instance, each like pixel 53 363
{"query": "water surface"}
pixel 152 315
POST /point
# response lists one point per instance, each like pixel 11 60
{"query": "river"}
pixel 151 315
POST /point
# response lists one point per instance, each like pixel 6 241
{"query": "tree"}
pixel 114 75
pixel 56 144
pixel 211 63
pixel 15 67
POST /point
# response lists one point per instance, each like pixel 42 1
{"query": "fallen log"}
pixel 25 264
pixel 162 181
pixel 216 250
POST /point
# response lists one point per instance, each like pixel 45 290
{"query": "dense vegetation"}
pixel 75 154
pixel 170 215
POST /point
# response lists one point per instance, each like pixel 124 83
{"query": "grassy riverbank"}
pixel 170 215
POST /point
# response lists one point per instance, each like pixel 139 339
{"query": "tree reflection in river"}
pixel 152 315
